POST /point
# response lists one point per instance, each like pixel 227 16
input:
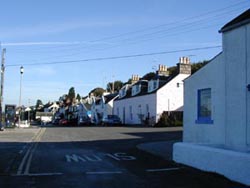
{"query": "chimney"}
pixel 184 66
pixel 135 78
pixel 162 70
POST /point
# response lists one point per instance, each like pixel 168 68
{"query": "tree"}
pixel 117 86
pixel 172 70
pixel 78 97
pixel 196 66
pixel 149 76
pixel 38 103
pixel 71 94
pixel 97 92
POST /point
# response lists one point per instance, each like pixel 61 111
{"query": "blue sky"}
pixel 45 31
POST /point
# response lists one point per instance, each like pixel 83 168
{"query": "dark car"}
pixel 84 121
pixel 111 120
pixel 56 121
pixel 63 122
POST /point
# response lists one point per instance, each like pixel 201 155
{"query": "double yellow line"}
pixel 24 166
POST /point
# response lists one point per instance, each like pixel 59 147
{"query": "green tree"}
pixel 117 86
pixel 172 70
pixel 149 76
pixel 38 103
pixel 97 92
pixel 196 66
pixel 78 97
pixel 71 94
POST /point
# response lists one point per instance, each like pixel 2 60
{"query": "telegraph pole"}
pixel 113 85
pixel 1 87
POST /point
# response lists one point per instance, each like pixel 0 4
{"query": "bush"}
pixel 170 119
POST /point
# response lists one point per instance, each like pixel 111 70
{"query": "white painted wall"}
pixel 231 164
pixel 248 82
pixel 134 102
pixel 170 97
pixel 227 75
pixel 221 147
pixel 211 76
pixel 109 107
pixel 235 46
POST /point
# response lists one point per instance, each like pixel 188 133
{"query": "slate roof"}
pixel 109 97
pixel 240 20
pixel 88 106
pixel 163 80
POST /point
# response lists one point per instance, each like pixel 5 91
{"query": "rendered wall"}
pixel 235 45
pixel 210 76
pixel 134 103
pixel 170 96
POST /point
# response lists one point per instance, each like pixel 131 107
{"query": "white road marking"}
pixel 29 154
pixel 40 174
pixel 104 172
pixel 98 158
pixel 162 169
pixel 19 171
pixel 33 151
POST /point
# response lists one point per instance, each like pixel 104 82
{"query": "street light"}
pixel 1 87
pixel 20 95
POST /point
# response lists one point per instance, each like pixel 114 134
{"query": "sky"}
pixel 58 42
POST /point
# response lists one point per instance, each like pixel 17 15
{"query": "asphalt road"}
pixel 94 157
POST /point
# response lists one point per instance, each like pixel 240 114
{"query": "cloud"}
pixel 51 43
pixel 41 70
pixel 49 28
pixel 38 43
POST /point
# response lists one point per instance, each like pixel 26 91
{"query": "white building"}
pixel 103 106
pixel 217 106
pixel 146 100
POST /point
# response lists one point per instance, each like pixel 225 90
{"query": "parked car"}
pixel 63 122
pixel 56 121
pixel 84 121
pixel 72 121
pixel 111 120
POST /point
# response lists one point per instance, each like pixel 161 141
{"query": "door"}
pixel 124 116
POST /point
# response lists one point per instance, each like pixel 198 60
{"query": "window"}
pixel 147 108
pixel 131 112
pixel 154 85
pixel 136 89
pixel 117 111
pixel 139 109
pixel 204 106
pixel 122 93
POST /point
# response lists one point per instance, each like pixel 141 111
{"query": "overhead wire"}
pixel 186 28
pixel 173 30
pixel 112 57
pixel 152 28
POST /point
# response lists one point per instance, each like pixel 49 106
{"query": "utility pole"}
pixel 1 87
pixel 113 84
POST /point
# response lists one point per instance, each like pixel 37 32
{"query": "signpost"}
pixel 10 113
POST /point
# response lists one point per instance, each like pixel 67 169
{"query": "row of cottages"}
pixel 102 106
pixel 217 108
pixel 79 109
pixel 143 101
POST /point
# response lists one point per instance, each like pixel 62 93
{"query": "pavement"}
pixel 163 149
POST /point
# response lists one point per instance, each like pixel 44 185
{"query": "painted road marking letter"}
pixel 95 158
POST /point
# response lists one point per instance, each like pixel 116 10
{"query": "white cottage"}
pixel 217 106
pixel 103 106
pixel 146 100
